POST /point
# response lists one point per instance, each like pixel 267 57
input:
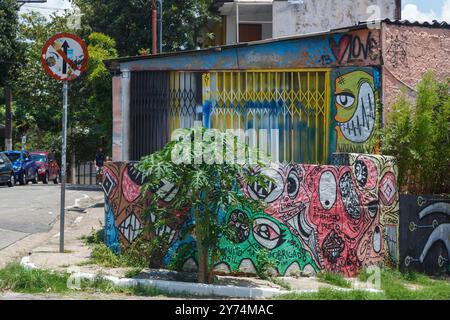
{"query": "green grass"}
pixel 103 256
pixel 395 285
pixel 280 282
pixel 133 272
pixel 334 279
pixel 96 237
pixel 331 294
pixel 16 278
pixel 136 256
pixel 105 286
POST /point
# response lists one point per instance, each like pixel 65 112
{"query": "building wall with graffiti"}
pixel 356 109
pixel 425 233
pixel 322 92
pixel 339 217
pixel 409 52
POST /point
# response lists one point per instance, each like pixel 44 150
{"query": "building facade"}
pixel 252 20
pixel 322 93
pixel 323 99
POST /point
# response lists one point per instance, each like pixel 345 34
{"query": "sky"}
pixel 419 10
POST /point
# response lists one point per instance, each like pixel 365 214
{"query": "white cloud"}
pixel 411 12
pixel 47 8
pixel 446 11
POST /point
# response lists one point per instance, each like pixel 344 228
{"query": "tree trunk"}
pixel 8 118
pixel 73 166
pixel 211 270
pixel 199 236
pixel 205 265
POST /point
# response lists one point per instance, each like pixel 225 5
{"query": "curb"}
pixel 84 187
pixel 198 289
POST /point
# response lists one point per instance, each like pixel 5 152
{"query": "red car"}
pixel 48 168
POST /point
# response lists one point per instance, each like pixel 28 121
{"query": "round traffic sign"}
pixel 64 56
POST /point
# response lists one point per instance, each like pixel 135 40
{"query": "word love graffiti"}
pixel 351 47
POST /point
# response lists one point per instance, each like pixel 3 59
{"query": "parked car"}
pixel 24 167
pixel 6 171
pixel 47 166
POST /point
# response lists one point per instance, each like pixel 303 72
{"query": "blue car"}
pixel 25 169
pixel 6 171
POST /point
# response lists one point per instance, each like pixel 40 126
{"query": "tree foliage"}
pixel 418 134
pixel 129 22
pixel 9 48
pixel 38 97
pixel 206 187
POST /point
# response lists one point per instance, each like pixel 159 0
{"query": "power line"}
pixel 44 8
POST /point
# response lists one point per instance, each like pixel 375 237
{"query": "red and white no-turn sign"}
pixel 64 56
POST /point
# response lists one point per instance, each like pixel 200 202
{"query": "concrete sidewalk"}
pixel 75 213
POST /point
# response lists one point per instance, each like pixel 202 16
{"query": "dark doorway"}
pixel 250 32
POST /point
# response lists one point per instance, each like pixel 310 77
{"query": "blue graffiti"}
pixel 111 232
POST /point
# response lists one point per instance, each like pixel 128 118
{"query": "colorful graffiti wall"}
pixel 322 92
pixel 356 109
pixel 425 234
pixel 337 217
pixel 125 206
pixel 354 48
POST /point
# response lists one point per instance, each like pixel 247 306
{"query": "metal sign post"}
pixel 64 57
pixel 24 142
pixel 63 167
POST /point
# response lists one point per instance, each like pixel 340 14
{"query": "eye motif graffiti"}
pixel 334 211
pixel 286 197
pixel 355 105
pixel 427 221
pixel 317 217
pixel 346 217
pixel 266 233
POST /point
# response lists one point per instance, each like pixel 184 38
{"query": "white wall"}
pixel 308 16
pixel 252 13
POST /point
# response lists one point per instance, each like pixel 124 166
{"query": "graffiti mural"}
pixel 355 104
pixel 396 53
pixel 339 218
pixel 425 234
pixel 337 212
pixel 355 46
pixel 126 205
pixel 268 234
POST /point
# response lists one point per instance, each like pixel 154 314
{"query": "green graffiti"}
pixel 254 232
pixel 356 100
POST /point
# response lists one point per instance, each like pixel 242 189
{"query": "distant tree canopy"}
pixel 9 47
pixel 110 28
pixel 129 22
pixel 38 97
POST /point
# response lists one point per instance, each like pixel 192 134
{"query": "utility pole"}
pixel 156 25
pixel 8 118
pixel 160 24
pixel 154 31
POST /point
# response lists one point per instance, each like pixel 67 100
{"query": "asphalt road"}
pixel 29 209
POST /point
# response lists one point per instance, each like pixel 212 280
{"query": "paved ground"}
pixel 29 211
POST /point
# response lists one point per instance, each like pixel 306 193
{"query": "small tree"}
pixel 205 184
pixel 418 135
